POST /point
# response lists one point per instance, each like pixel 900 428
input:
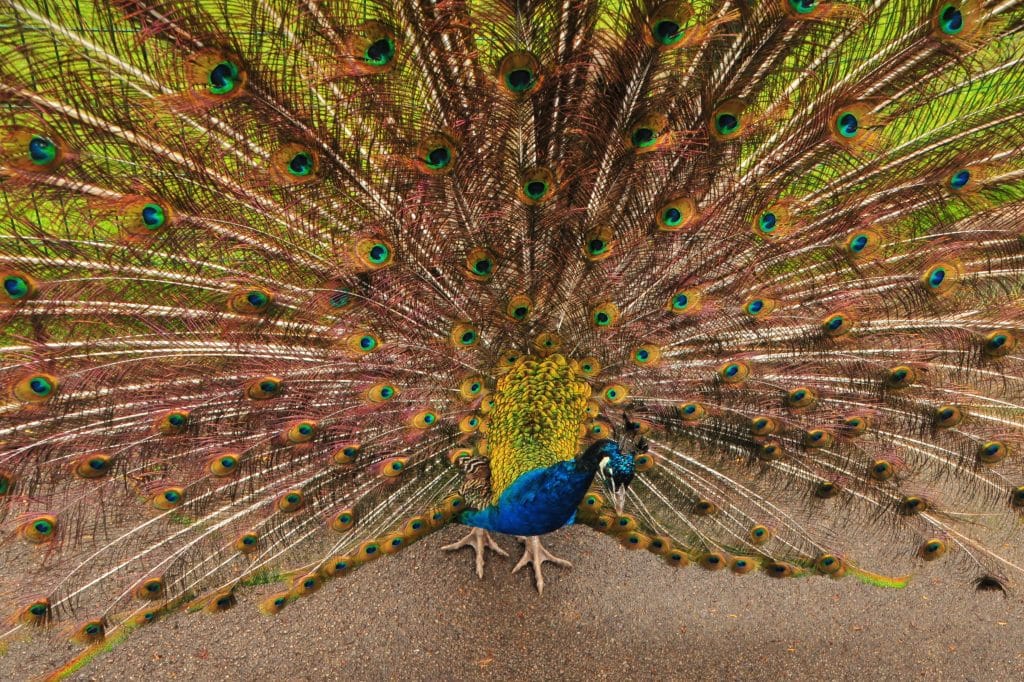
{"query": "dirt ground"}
pixel 617 615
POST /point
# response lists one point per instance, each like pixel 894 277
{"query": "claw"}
pixel 480 540
pixel 535 554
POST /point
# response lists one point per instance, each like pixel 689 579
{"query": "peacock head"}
pixel 620 466
pixel 616 461
pixel 615 466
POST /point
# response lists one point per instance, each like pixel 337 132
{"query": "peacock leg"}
pixel 480 540
pixel 534 553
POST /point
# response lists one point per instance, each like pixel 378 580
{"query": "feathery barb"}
pixel 264 263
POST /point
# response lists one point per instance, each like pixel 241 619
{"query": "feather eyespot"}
pixel 648 133
pixel 363 343
pixel 464 335
pixel 955 22
pixel 763 426
pixel 801 7
pixel 291 501
pixel 646 354
pixel 519 73
pixel 830 564
pixel 614 394
pixel 900 377
pixel 598 244
pixel 275 603
pixel 35 388
pixel 759 534
pixel 770 451
pixel 948 416
pixel 733 372
pixel 536 185
pixel 223 465
pixel 90 632
pixel 774 222
pixel 173 422
pixel 216 75
pixel 299 432
pixel 547 343
pixel 942 278
pixel 167 498
pixel 247 543
pixel 424 419
pixel 36 613
pixel 481 264
pixel 676 214
pixel 17 287
pixel 380 52
pixel 294 164
pixel 374 254
pixel 801 397
pixel 837 324
pixel 759 308
pixel 346 453
pixel 436 155
pixel 932 549
pixel 221 601
pixel 727 119
pixel 826 490
pixel 6 482
pixel 519 307
pixel 685 301
pixel 93 466
pixel 960 179
pixel 250 300
pixel 1017 497
pixel 818 438
pixel 150 589
pixel 264 388
pixel 1000 343
pixel 992 452
pixel 393 467
pixel 692 413
pixel 38 529
pixel 912 504
pixel 30 150
pixel 381 393
pixel 713 561
pixel 863 243
pixel 469 424
pixel 855 425
pixel 604 314
pixel 881 470
pixel 779 569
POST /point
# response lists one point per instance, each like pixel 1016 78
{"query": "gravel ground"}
pixel 423 615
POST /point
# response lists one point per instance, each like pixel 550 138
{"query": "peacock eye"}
pixel 667 32
pixel 223 78
pixel 42 150
pixel 380 52
pixel 301 164
pixel 153 216
pixel 847 124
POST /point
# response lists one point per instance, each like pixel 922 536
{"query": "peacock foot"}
pixel 534 553
pixel 480 540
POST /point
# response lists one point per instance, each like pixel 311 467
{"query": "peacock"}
pixel 289 285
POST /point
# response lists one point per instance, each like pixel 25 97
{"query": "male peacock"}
pixel 289 284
